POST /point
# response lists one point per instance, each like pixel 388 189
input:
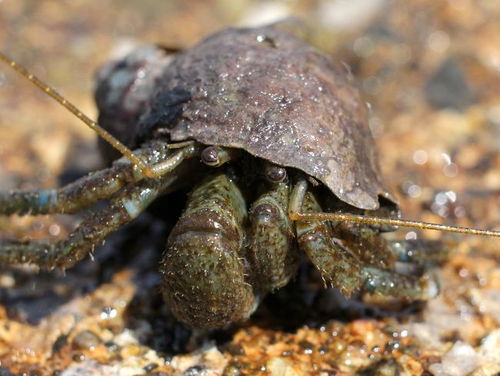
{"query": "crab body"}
pixel 264 112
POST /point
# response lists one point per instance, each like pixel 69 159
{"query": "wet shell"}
pixel 275 96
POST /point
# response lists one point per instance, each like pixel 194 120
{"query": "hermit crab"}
pixel 267 132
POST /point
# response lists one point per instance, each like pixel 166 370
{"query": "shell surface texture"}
pixel 270 93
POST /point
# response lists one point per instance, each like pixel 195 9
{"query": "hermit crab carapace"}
pixel 269 132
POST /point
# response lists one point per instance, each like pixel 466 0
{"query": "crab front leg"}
pixel 391 266
pixel 343 269
pixel 203 268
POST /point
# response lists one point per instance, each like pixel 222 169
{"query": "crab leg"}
pixel 407 257
pixel 124 207
pixel 337 266
pixel 93 187
pixel 373 249
pixel 271 253
pixel 385 284
pixel 419 251
pixel 342 268
pixel 366 243
pixel 204 274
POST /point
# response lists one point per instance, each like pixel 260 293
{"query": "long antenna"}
pixel 75 111
pixel 300 189
pixel 390 221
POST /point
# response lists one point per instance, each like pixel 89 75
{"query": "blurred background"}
pixel 429 70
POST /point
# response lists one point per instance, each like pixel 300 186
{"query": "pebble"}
pixel 447 87
pixel 461 360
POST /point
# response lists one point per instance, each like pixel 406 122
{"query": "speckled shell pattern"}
pixel 275 96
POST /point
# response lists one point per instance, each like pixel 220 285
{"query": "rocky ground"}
pixel 430 71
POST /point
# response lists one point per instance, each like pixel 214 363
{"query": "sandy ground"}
pixel 431 72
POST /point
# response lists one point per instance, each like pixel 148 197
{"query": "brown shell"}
pixel 278 98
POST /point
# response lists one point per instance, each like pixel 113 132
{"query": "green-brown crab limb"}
pixel 203 269
pixel 124 184
pixel 123 208
pixel 216 268
pixel 129 191
pixel 350 269
pixel 231 266
pixel 272 250
pixel 96 186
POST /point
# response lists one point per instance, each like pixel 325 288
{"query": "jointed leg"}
pixel 387 284
pixel 203 268
pixel 123 208
pixel 343 268
pixel 374 250
pixel 93 187
pixel 271 253
pixel 420 251
pixel 366 243
pixel 382 258
pixel 337 266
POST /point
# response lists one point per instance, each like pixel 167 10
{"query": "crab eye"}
pixel 215 156
pixel 210 156
pixel 275 174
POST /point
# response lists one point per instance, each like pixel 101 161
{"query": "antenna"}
pixel 147 171
pixel 299 190
pixel 389 221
